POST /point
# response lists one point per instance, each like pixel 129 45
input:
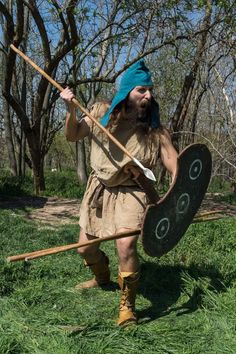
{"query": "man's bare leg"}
pixel 127 252
pixel 90 253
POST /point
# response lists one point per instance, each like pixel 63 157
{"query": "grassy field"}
pixel 185 301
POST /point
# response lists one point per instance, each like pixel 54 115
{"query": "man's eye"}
pixel 141 90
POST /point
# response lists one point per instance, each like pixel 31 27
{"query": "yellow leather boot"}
pixel 128 282
pixel 101 271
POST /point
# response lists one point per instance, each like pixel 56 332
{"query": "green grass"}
pixel 229 198
pixel 185 303
pixel 219 184
pixel 65 184
pixel 60 183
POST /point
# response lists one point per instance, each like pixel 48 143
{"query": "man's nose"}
pixel 148 95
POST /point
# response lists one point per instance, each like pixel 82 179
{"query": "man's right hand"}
pixel 67 95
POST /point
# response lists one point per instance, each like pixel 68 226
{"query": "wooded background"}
pixel 190 47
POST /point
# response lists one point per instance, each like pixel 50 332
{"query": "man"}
pixel 113 202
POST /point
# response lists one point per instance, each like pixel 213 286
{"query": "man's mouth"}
pixel 145 103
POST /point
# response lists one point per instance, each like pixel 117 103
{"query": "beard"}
pixel 139 113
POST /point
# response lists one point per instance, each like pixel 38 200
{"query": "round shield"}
pixel 166 222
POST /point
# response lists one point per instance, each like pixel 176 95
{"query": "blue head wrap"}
pixel 137 75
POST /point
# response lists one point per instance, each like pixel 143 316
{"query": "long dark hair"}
pixel 123 112
pixel 144 130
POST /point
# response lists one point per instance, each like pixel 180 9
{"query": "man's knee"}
pixel 84 251
pixel 127 248
pixel 89 250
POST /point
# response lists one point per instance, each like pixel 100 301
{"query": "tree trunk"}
pixel 187 90
pixel 9 139
pixel 6 107
pixel 37 163
pixel 194 115
pixel 38 175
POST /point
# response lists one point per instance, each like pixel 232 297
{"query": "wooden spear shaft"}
pixel 206 213
pixel 206 219
pixel 54 250
pixel 148 173
pixel 74 100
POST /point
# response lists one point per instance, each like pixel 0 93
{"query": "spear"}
pixel 54 250
pixel 46 252
pixel 148 173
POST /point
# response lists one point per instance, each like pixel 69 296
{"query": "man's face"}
pixel 139 99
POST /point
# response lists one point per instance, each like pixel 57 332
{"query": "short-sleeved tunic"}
pixel 121 203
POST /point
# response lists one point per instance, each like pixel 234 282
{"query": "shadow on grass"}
pixel 111 286
pixel 163 285
pixel 22 202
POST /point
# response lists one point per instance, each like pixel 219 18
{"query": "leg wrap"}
pixel 101 271
pixel 128 282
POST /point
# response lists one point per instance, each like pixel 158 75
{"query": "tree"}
pixel 101 36
pixel 89 44
pixel 36 127
pixel 7 31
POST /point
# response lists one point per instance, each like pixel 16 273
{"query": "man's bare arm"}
pixel 168 153
pixel 74 130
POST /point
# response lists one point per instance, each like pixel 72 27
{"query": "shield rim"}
pixel 194 146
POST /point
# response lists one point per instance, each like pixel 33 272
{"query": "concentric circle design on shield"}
pixel 183 203
pixel 162 228
pixel 195 169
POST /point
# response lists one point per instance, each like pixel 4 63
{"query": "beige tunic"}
pixel 122 202
pixel 108 161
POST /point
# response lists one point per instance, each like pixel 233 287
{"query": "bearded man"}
pixel 113 202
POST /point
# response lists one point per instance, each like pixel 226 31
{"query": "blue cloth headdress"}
pixel 137 75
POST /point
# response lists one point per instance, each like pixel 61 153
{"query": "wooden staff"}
pixel 196 220
pixel 206 213
pixel 148 173
pixel 54 250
